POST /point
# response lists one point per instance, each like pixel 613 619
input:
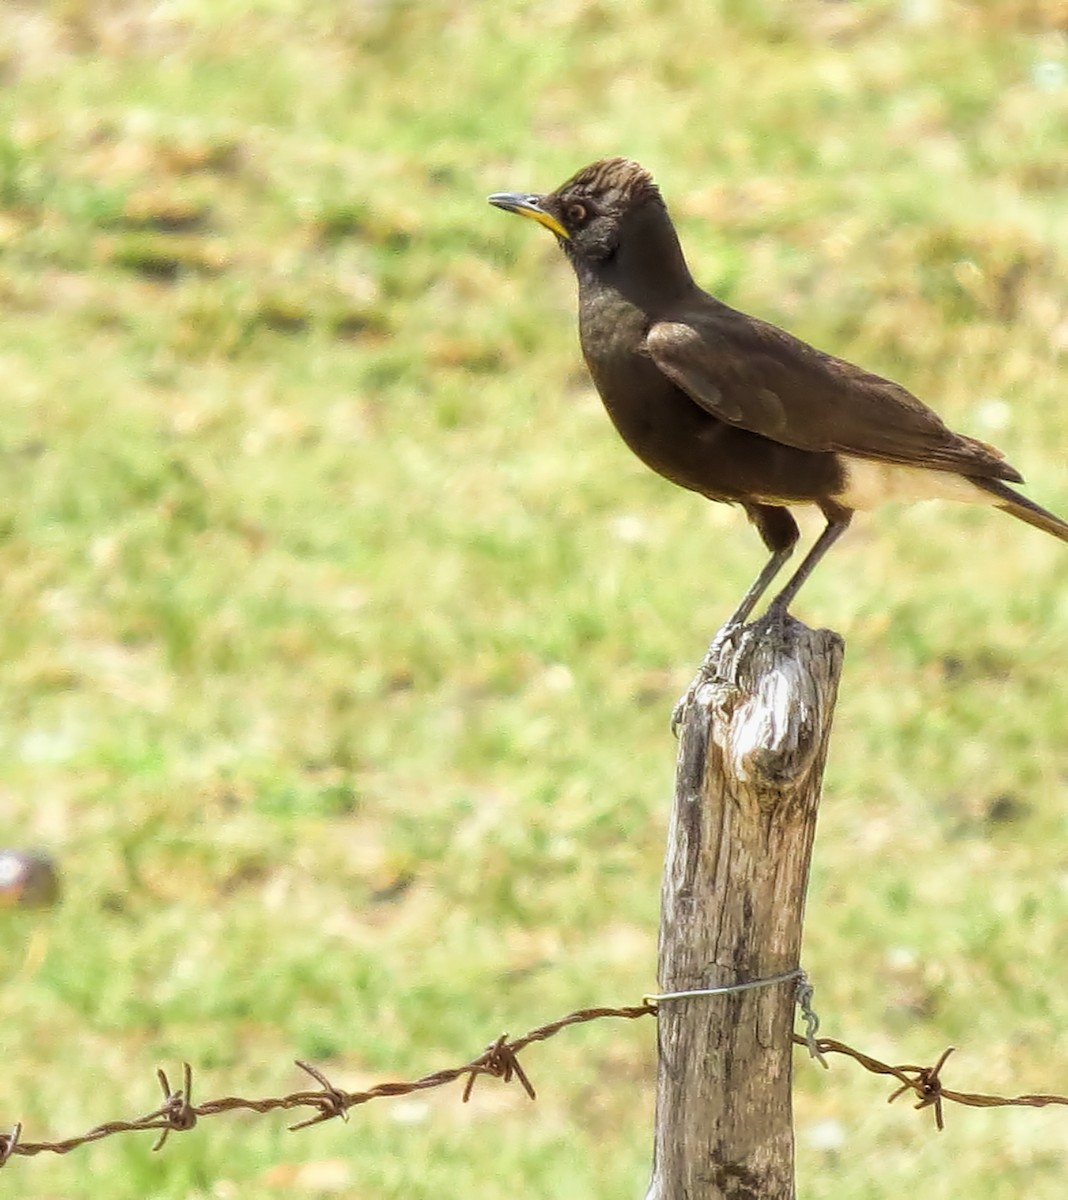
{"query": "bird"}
pixel 735 408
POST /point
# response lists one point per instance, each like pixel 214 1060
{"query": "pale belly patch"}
pixel 869 484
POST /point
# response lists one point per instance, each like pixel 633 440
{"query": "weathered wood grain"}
pixel 750 764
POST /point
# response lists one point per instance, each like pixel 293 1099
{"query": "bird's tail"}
pixel 1011 501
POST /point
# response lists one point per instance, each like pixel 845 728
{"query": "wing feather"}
pixel 752 374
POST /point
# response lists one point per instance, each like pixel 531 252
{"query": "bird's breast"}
pixel 638 398
pixel 634 391
pixel 612 332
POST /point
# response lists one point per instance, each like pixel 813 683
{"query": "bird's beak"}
pixel 529 206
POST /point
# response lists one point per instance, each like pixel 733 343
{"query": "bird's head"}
pixel 610 211
pixel 590 212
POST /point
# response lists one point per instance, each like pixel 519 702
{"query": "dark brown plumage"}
pixel 734 408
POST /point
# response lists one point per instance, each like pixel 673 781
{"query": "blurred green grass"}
pixel 341 633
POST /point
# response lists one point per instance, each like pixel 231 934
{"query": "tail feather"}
pixel 1011 501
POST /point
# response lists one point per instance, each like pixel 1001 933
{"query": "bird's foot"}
pixel 774 622
pixel 707 672
pixel 778 611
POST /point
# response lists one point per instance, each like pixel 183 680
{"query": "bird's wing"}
pixel 754 375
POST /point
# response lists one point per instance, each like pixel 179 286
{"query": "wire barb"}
pixel 499 1060
pixel 928 1086
pixel 331 1101
pixel 177 1110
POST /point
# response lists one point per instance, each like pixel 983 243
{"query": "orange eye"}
pixel 576 213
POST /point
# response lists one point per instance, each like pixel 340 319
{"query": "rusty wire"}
pixel 925 1083
pixel 177 1112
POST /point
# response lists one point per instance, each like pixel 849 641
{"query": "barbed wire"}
pixel 926 1082
pixel 499 1059
pixel 178 1112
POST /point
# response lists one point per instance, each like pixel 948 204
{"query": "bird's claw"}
pixel 707 672
pixel 678 713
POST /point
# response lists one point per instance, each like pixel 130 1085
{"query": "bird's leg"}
pixel 780 533
pixel 756 589
pixel 837 523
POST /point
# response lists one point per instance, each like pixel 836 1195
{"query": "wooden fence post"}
pixel 750 764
